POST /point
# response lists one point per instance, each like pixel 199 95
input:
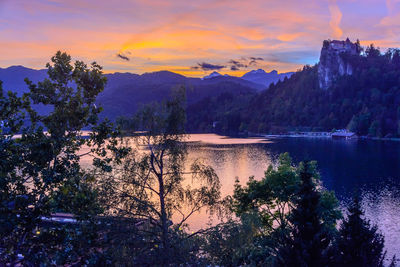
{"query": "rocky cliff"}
pixel 334 62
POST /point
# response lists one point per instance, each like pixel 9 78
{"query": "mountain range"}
pixel 259 76
pixel 346 89
pixel 265 78
pixel 126 92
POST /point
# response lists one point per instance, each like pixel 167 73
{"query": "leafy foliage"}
pixel 40 168
pixel 270 213
pixel 308 245
pixel 152 185
pixel 132 208
pixel 237 243
pixel 288 219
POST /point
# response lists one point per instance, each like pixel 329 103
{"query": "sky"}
pixel 190 37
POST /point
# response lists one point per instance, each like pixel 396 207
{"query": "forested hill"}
pixel 367 101
pixel 125 93
pixel 351 87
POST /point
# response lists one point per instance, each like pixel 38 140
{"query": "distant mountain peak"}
pixel 20 68
pixel 259 71
pixel 163 73
pixel 212 75
pixel 16 67
pixel 265 78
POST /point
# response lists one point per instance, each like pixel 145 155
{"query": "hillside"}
pixel 125 98
pixel 126 92
pixel 260 77
pixel 364 97
pixel 13 77
pixel 351 87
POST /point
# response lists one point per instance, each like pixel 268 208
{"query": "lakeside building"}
pixel 311 134
pixel 343 134
pixel 339 134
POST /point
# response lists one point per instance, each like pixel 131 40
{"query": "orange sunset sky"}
pixel 232 36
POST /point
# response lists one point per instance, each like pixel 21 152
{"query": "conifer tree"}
pixel 359 244
pixel 393 262
pixel 309 242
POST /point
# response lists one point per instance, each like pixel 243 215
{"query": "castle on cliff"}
pixel 332 63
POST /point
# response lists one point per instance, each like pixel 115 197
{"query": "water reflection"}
pixel 231 161
pixel 372 167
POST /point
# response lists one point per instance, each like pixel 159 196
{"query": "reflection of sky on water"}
pixel 231 161
pixel 382 207
pixel 373 167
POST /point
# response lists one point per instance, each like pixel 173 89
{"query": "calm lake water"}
pixel 372 167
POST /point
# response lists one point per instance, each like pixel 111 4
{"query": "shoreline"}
pixel 395 139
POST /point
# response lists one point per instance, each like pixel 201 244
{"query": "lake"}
pixel 370 166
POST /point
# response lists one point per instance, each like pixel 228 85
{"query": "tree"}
pixel 375 129
pixel 270 197
pixel 40 170
pixel 372 52
pixel 308 245
pixel 276 201
pixel 359 48
pixel 13 199
pixel 393 262
pixel 153 187
pixel 395 53
pixel 359 244
pixel 236 243
pixel 369 94
pixel 360 123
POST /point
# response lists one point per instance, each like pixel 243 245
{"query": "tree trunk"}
pixel 164 218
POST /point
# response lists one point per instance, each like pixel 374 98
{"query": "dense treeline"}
pixel 130 206
pixel 367 102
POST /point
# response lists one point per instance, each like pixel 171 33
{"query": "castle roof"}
pixel 341 42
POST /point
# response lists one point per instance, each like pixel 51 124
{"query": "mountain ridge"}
pixel 126 92
pixel 363 98
pixel 265 78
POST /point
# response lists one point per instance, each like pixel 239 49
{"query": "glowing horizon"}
pixel 192 38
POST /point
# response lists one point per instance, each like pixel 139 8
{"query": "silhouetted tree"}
pixel 153 187
pixel 40 170
pixel 359 244
pixel 308 243
pixel 393 262
pixel 276 204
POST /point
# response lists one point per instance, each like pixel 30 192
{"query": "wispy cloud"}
pixel 391 22
pixel 244 63
pixel 255 60
pixel 208 66
pixel 237 65
pixel 121 56
pixel 336 17
pixel 231 36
